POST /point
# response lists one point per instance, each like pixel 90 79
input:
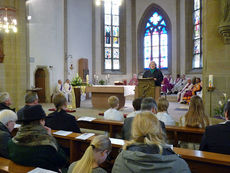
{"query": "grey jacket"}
pixel 138 161
pixel 95 170
pixel 5 136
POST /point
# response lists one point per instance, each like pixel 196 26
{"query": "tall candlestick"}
pixel 210 81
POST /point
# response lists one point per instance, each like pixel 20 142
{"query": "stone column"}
pixel 13 69
pixel 216 59
pixel 224 27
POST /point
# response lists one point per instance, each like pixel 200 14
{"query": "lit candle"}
pixel 210 81
pixel 87 78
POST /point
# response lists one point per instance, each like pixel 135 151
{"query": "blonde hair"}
pixel 99 143
pixel 196 117
pixel 113 101
pixel 59 100
pixel 146 129
pixel 163 104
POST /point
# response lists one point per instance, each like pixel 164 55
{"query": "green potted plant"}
pixel 76 83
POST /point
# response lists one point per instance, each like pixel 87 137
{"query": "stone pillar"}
pixel 216 59
pixel 13 70
pixel 224 27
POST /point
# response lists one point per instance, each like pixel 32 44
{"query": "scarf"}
pixel 34 135
pixel 152 70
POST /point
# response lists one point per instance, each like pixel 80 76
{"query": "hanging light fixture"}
pixel 8 21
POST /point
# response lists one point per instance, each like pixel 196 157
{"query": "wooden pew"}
pixel 198 161
pixel 174 133
pixel 184 134
pixel 15 168
pixel 7 166
pixel 4 165
pixel 113 127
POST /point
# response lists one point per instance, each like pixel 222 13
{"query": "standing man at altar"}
pixel 68 91
pixel 157 76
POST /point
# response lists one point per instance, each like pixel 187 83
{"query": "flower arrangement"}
pixel 219 111
pixel 102 82
pixel 77 81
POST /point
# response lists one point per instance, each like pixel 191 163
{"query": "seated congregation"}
pixel 146 147
pixel 184 88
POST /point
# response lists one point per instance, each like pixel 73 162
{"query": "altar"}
pixel 101 93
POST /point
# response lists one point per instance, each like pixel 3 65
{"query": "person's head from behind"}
pixel 8 119
pixel 34 115
pixel 227 110
pixel 60 101
pixel 113 102
pixel 137 104
pixel 31 98
pixel 162 105
pixel 149 104
pixel 5 98
pixel 196 114
pixel 95 154
pixel 59 82
pixel 146 129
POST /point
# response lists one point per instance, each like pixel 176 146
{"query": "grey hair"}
pixel 7 116
pixel 148 104
pixel 30 97
pixel 4 96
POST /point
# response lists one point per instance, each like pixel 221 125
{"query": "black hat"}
pixel 32 113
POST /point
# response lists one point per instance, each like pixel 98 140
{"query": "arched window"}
pixel 197 37
pixel 156 41
pixel 112 35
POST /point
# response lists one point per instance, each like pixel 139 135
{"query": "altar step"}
pixel 171 97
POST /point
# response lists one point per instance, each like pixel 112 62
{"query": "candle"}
pixel 210 81
pixel 87 78
pixel 108 76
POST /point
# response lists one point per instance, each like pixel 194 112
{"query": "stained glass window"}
pixel 156 41
pixel 111 35
pixel 197 39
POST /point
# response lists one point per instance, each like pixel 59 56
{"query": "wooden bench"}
pixel 113 127
pixel 7 166
pixel 4 165
pixel 174 133
pixel 198 161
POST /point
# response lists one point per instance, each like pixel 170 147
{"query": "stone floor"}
pixel 176 110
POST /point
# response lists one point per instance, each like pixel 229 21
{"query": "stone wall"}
pixel 13 71
pixel 216 55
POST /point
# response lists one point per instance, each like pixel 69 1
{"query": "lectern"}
pixel 145 88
